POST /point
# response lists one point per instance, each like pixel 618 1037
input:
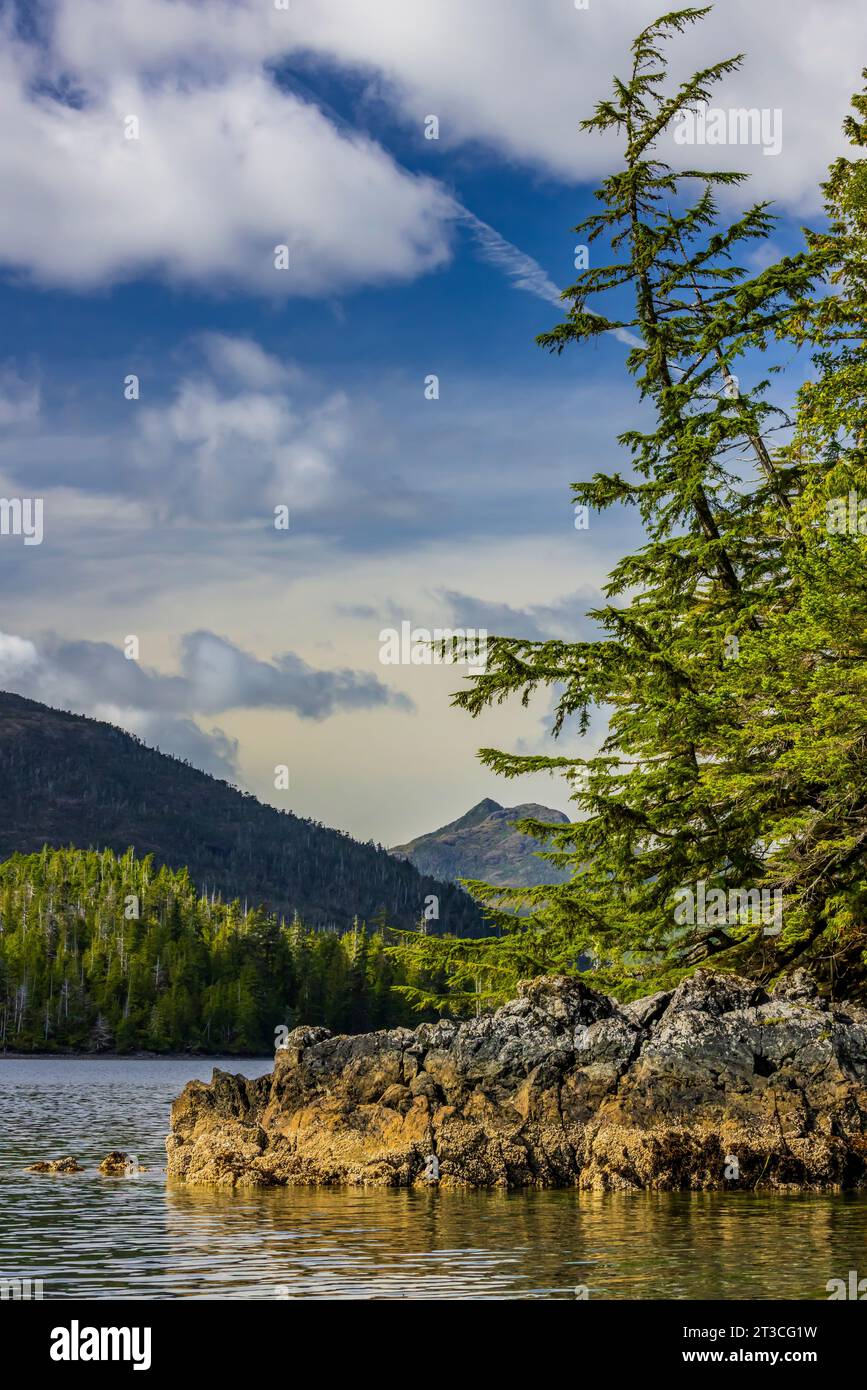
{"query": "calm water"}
pixel 87 1236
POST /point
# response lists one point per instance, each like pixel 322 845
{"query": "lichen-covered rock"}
pixel 714 1084
pixel 56 1165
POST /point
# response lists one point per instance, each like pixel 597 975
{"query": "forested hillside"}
pixel 99 952
pixel 68 780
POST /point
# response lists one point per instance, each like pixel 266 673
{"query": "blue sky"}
pixel 258 387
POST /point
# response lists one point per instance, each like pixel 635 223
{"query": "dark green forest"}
pixel 100 952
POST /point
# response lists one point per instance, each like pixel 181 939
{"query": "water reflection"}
pixel 326 1244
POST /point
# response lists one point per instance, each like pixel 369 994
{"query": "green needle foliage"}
pixel 104 952
pixel 730 655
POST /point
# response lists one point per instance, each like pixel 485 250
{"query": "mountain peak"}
pixel 476 814
pixel 484 844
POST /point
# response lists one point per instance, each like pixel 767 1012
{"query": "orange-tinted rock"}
pixel 716 1084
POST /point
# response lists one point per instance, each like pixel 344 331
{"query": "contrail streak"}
pixel 524 272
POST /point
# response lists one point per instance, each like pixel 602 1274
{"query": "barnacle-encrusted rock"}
pixel 119 1164
pixel 714 1084
pixel 56 1165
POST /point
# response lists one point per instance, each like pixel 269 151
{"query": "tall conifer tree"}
pixel 704 777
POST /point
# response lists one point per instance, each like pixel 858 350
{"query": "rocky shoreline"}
pixel 717 1084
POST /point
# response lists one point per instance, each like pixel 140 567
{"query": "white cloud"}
pixel 226 168
pixel 228 164
pixel 220 676
pixel 517 77
pixel 18 657
pixel 198 470
pixel 240 446
pixel 246 362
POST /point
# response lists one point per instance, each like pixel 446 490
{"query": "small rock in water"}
pixel 56 1165
pixel 118 1164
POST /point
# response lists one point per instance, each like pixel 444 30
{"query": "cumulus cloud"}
pixel 517 78
pixel 97 679
pixel 244 361
pixel 215 675
pixel 18 657
pixel 361 468
pixel 220 676
pixel 226 166
pixel 241 434
pixel 213 455
pixel 229 162
pixel 520 77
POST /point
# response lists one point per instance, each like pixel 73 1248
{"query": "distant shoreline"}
pixel 133 1056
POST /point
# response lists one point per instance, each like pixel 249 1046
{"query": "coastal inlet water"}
pixel 87 1236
